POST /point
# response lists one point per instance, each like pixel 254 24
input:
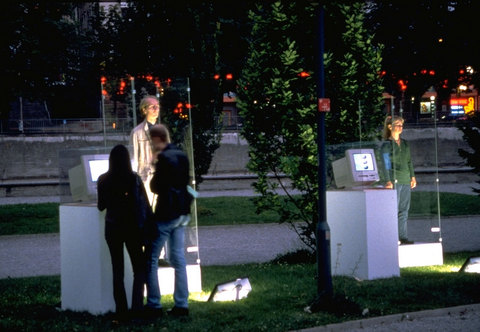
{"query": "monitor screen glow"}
pixel 97 168
pixel 357 170
pixel 363 162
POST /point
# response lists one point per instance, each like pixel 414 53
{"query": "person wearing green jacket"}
pixel 399 170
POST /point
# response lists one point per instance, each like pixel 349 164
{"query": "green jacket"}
pixel 398 162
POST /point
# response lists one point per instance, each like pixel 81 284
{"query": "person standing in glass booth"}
pixel 399 173
pixel 142 144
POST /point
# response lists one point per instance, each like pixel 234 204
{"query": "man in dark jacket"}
pixel 172 211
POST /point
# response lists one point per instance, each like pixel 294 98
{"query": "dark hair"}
pixel 119 161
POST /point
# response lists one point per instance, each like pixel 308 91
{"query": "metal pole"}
pixel 134 110
pixel 192 165
pixel 20 124
pixel 360 121
pixel 103 113
pixel 437 180
pixel 324 277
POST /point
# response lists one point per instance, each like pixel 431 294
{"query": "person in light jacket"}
pixel 142 144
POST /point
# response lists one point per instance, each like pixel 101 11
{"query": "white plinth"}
pixel 86 268
pixel 85 264
pixel 364 233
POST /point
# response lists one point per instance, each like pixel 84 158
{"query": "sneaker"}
pixel 178 312
pixel 153 313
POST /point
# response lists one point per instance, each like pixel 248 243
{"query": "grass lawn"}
pixel 280 292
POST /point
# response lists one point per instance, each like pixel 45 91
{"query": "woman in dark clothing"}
pixel 117 193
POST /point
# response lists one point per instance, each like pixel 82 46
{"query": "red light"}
pixel 216 77
pixel 157 83
pixel 402 85
pixel 431 72
pixel 188 106
pixel 383 73
pixel 445 84
pixel 461 71
pixel 104 92
pixel 103 80
pixel 229 76
pixel 304 74
pixel 149 77
pixel 423 71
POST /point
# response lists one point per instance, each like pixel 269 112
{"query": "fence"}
pixel 88 126
pixel 124 125
pixel 65 126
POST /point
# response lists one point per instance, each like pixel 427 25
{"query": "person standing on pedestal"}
pixel 142 144
pixel 172 214
pixel 400 174
pixel 119 192
pixel 143 161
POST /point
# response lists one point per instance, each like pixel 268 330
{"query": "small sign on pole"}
pixel 324 104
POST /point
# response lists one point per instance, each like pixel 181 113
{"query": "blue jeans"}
pixel 403 200
pixel 173 232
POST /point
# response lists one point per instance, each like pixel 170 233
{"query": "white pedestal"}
pixel 85 264
pixel 86 268
pixel 364 233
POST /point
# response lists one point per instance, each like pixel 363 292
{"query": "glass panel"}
pixel 368 165
pixel 76 182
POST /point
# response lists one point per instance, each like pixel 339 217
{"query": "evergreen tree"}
pixel 353 66
pixel 178 40
pixel 279 107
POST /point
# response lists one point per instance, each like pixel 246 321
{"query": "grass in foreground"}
pixel 43 218
pixel 280 292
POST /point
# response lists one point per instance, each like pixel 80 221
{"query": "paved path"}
pixel 36 255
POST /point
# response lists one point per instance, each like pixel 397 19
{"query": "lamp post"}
pixel 324 277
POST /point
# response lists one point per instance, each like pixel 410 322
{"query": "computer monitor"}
pixel 358 169
pixel 83 177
